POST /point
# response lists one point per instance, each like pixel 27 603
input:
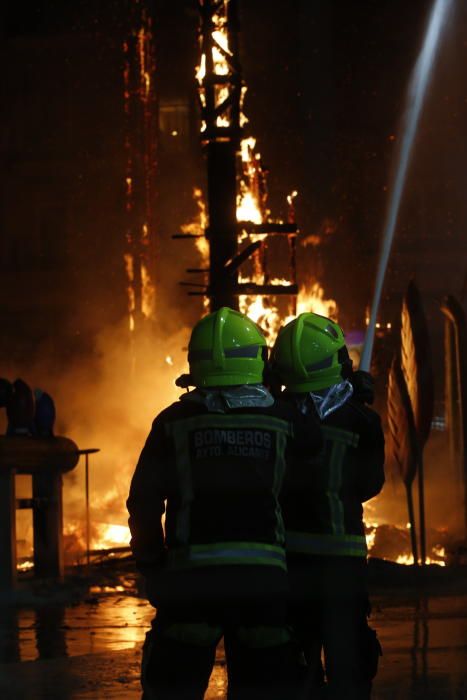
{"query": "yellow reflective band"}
pixel 340 440
pixel 326 545
pixel 196 633
pixel 227 553
pixel 262 637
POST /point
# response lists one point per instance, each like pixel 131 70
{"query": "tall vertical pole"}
pixel 220 89
pixel 86 453
pixel 421 506
pixel 48 523
pixel 88 518
pixel 140 144
pixel 7 529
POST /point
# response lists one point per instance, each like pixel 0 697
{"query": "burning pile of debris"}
pixel 393 542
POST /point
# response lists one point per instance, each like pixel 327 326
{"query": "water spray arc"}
pixel 416 93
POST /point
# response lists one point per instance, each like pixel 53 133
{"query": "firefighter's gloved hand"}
pixel 363 386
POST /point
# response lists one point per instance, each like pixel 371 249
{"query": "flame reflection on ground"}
pixel 423 642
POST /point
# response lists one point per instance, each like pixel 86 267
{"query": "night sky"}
pixel 327 81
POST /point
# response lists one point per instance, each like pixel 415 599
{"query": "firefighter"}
pixel 322 507
pixel 214 463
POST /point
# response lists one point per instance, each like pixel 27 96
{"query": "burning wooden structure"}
pixel 221 92
pixel 140 147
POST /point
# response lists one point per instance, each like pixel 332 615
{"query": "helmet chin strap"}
pixel 331 399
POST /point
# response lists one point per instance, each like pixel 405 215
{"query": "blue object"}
pixel 44 416
pixel 6 389
pixel 20 409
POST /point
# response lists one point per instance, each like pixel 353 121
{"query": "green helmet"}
pixel 226 349
pixel 310 354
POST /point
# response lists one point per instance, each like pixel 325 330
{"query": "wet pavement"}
pixel 91 650
pixel 425 649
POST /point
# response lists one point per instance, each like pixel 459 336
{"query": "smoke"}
pixel 107 399
pixel 112 404
pixel 443 496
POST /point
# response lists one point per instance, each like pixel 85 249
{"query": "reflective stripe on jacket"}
pixel 223 553
pixel 323 494
pixel 326 545
pixel 217 477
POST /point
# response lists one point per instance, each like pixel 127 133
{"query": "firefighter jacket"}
pixel 322 497
pixel 216 475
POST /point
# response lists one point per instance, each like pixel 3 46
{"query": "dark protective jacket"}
pixel 217 477
pixel 322 497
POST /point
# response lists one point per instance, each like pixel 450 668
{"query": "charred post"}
pixel 7 529
pixel 220 89
pixel 47 519
pixel 237 180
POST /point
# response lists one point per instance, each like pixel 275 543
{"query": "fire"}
pixel 138 103
pixel 247 209
pixel 144 63
pixel 220 55
pixel 392 542
pixel 25 565
pixel 267 317
pixel 311 298
pixel 370 534
pixel 249 206
pixel 251 209
pixel 219 51
pixel 198 226
pixel 408 560
pixel 109 536
pixel 148 293
pixel 265 313
pixel 106 589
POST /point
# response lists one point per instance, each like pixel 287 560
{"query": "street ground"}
pixel 53 647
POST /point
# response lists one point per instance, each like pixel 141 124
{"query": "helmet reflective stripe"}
pixel 324 364
pixel 249 351
pixel 330 329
